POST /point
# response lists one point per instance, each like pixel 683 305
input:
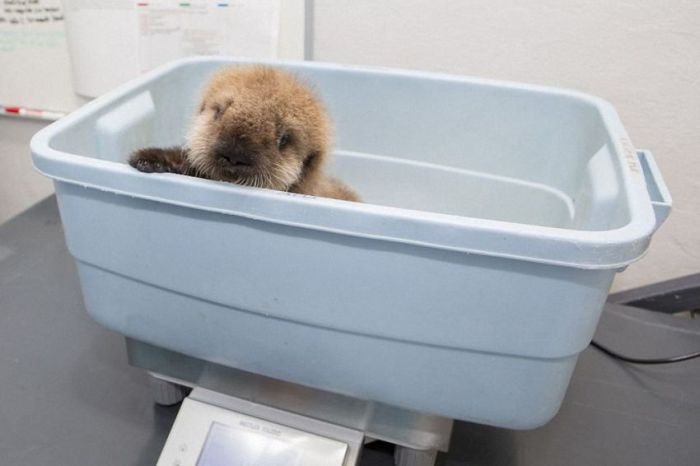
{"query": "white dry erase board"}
pixel 35 71
pixel 52 51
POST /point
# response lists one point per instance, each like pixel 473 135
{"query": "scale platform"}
pixel 236 417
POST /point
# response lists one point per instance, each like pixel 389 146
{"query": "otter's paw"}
pixel 150 160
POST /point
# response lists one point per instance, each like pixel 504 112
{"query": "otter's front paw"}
pixel 150 160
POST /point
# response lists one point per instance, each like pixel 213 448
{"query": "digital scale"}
pixel 218 430
pixel 233 417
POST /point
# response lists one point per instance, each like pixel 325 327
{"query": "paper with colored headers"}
pixel 111 41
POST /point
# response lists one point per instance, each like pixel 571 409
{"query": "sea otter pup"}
pixel 257 126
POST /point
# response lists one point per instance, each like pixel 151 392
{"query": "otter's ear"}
pixel 312 161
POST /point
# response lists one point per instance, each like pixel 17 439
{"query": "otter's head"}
pixel 258 126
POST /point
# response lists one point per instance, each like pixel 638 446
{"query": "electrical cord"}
pixel 669 360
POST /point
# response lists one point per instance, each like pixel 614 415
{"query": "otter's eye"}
pixel 283 141
pixel 218 111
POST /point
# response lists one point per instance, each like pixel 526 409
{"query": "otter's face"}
pixel 256 127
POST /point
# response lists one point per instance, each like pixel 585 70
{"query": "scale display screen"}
pixel 227 446
pixel 208 435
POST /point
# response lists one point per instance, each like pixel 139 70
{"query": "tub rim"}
pixel 584 249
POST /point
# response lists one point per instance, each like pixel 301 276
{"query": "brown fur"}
pixel 256 126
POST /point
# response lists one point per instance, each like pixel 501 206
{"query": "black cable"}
pixel 669 360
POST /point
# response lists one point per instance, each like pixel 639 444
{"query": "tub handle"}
pixel 656 187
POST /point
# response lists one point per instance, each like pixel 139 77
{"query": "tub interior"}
pixel 434 144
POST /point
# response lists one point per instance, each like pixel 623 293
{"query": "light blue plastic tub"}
pixel 466 285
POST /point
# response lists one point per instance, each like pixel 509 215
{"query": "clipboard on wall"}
pixel 112 41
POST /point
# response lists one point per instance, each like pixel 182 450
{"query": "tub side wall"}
pixel 491 389
pixel 370 287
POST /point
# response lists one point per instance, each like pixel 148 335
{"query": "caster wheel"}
pixel 404 456
pixel 167 393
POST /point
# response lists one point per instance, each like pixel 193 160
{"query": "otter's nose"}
pixel 231 152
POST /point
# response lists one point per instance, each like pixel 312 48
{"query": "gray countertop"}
pixel 69 397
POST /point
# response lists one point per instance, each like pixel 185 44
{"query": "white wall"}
pixel 643 56
pixel 20 185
